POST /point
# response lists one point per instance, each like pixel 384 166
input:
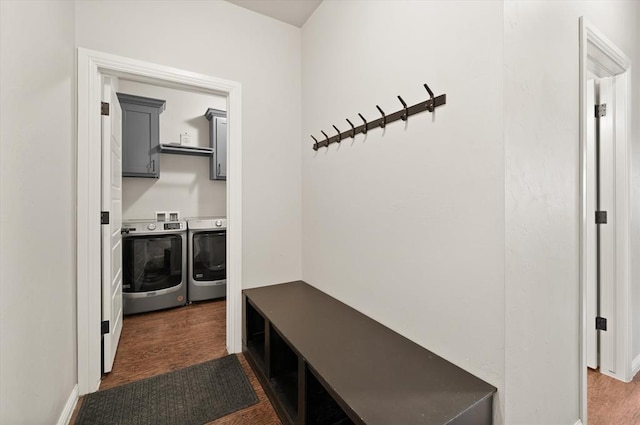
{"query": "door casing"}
pixel 91 66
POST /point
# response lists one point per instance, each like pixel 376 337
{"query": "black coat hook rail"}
pixel 403 114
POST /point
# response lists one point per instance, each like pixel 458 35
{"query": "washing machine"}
pixel 207 258
pixel 154 265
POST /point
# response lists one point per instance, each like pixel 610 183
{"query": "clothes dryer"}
pixel 207 258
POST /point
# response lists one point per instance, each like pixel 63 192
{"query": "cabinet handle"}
pixel 153 165
pixel 218 174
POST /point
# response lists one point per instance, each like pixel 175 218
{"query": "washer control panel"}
pixel 146 227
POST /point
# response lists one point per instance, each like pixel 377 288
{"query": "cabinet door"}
pixel 140 138
pixel 218 138
pixel 221 148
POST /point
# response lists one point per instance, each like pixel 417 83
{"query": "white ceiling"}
pixel 294 12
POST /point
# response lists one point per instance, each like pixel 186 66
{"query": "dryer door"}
pixel 209 256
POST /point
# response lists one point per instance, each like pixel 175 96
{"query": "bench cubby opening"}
pixel 283 372
pixel 321 407
pixel 256 334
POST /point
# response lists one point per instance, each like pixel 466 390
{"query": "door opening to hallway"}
pixel 608 396
pixel 609 401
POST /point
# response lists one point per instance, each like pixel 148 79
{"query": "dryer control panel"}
pixel 173 226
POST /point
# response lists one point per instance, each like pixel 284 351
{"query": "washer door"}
pixel 151 263
pixel 209 256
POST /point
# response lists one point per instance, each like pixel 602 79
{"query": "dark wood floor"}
pixel 611 402
pixel 163 341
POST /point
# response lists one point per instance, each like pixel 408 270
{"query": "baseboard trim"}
pixel 635 366
pixel 67 412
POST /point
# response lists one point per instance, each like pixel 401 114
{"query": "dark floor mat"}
pixel 191 396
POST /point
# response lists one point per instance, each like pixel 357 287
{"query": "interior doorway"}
pixel 157 160
pixel 605 212
pixel 92 67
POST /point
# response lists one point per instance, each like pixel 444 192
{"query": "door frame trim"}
pixel 596 48
pixel 91 65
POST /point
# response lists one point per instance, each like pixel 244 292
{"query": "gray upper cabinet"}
pixel 218 139
pixel 140 135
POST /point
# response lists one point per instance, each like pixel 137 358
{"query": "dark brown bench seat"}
pixel 323 363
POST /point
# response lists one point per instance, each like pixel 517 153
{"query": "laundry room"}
pixel 173 227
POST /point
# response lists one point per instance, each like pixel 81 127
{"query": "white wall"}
pixel 37 218
pixel 407 224
pixel 184 183
pixel 542 204
pixel 227 41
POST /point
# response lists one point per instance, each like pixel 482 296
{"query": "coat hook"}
pixel 326 138
pixel 339 134
pixel 384 117
pixel 433 101
pixel 364 130
pixel 406 109
pixel 315 145
pixel 353 129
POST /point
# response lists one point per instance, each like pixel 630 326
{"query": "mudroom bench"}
pixel 323 363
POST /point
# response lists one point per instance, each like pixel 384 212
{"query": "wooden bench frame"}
pixel 323 363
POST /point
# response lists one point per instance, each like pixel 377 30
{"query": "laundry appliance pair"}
pixel 168 264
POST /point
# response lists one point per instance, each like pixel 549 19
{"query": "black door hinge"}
pixel 601 324
pixel 104 217
pixel 105 327
pixel 601 217
pixel 601 110
pixel 104 108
